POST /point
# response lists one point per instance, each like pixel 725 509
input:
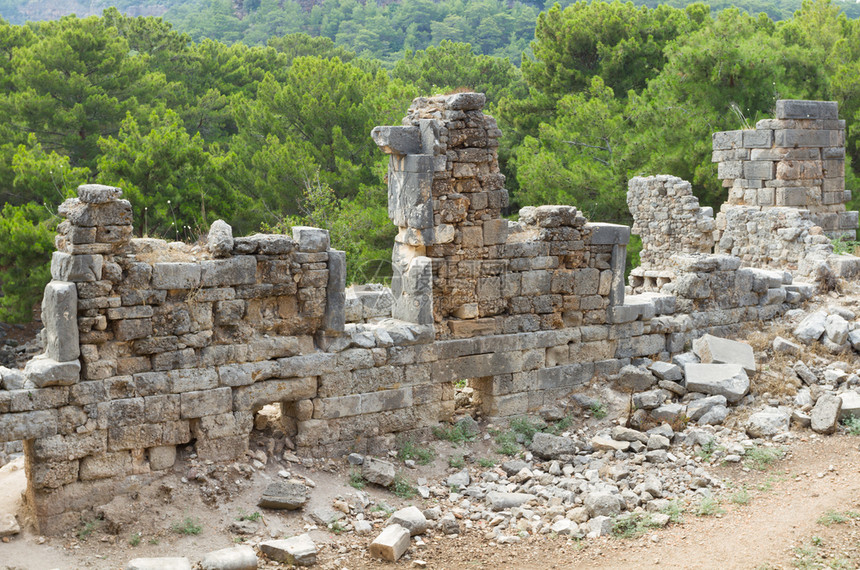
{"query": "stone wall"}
pixel 153 347
pixel 795 160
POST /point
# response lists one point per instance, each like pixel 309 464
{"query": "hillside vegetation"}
pixel 264 136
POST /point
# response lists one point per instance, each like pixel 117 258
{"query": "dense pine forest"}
pixel 260 113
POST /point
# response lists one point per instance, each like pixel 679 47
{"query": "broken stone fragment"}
pixel 289 495
pixel 410 518
pixel 378 471
pixel 397 140
pixel 43 371
pixel 548 446
pixel 391 544
pixel 825 414
pixel 716 350
pixel 811 328
pixel 174 563
pixel 501 501
pixel 299 550
pixel 8 525
pixel 729 380
pixel 236 558
pixel 768 423
pixel 98 193
pixel 220 239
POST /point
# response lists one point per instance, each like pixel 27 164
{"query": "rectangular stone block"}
pixel 161 408
pixel 791 197
pixel 495 231
pixel 256 396
pixel 759 170
pixel 727 140
pixel 608 234
pixel 335 309
pixel 126 411
pixel 28 425
pixel 758 138
pixel 131 329
pixel 780 153
pixel 86 268
pixel 238 270
pixel 190 380
pixel 205 403
pixel 808 138
pixel 176 275
pixel 60 317
pixel 730 170
pixel 385 400
pixel 799 109
pixel 338 407
pixel 102 466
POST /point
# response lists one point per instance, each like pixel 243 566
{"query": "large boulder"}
pixel 811 328
pixel 548 446
pixel 715 350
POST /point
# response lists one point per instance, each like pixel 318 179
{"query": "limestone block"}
pixel 378 472
pixel 162 457
pixel 397 139
pixel 335 315
pixel 836 329
pixel 289 495
pixel 811 328
pixel 310 239
pixel 11 379
pixel 43 371
pixel 698 408
pixel 727 140
pixel 608 234
pixel 758 170
pixel 729 380
pixel 235 558
pixel 825 414
pixel 28 425
pixel 801 109
pixel 498 501
pixel 808 138
pixel 239 270
pixel 758 138
pixel 713 349
pixel 206 403
pixel 495 231
pixel 60 316
pixel 76 268
pixel 113 213
pixel 768 422
pixel 410 518
pixel 159 564
pixel 413 292
pixel 391 544
pixel 299 550
pixel 220 239
pixel 176 275
pixel 466 101
pixel 98 193
pixel 667 371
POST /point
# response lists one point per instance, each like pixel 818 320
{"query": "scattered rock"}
pixel 729 380
pixel 825 414
pixel 378 471
pixel 299 550
pixel 410 518
pixel 715 350
pixel 548 446
pixel 289 495
pixel 391 544
pixel 236 558
pixel 768 423
pixel 159 564
pixel 8 525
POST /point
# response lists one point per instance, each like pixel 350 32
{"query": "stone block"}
pixel 298 550
pixel 235 558
pixel 105 465
pixel 98 193
pixel 410 518
pixel 287 495
pixel 825 414
pixel 727 140
pixel 112 213
pixel 379 472
pixel 397 139
pixel 219 240
pixel 608 234
pixel 808 138
pixel 758 138
pixel 768 422
pixel 391 544
pixel 174 563
pixel 43 371
pixel 206 403
pixel 729 380
pixel 239 270
pixel 162 457
pixel 713 349
pixel 466 101
pixel 28 425
pixel 495 231
pixel 758 170
pixel 801 109
pixel 132 329
pixel 176 275
pixel 335 309
pixel 60 317
pixel 310 239
pixel 76 268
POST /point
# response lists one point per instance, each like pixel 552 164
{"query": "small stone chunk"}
pixel 220 239
pixel 299 550
pixel 391 544
pixel 825 414
pixel 289 495
pixel 98 193
pixel 378 471
pixel 174 563
pixel 8 525
pixel 410 518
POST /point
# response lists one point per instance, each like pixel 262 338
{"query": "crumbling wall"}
pixel 795 160
pixel 668 219
pixel 153 345
pixel 549 270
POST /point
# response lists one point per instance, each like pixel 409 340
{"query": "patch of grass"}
pixel 834 517
pixel 709 507
pixel 456 434
pixel 134 539
pixel 356 481
pixel 852 423
pixel 506 442
pixel 403 488
pixel 153 541
pixel 88 528
pixel 816 541
pixel 598 410
pixel 456 461
pixel 741 497
pixel 675 511
pixel 486 463
pixel 760 458
pixel 253 517
pixel 526 427
pixel 631 525
pixel 410 450
pixel 187 526
pixel 337 527
pixel 707 450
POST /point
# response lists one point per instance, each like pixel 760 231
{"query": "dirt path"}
pixel 785 503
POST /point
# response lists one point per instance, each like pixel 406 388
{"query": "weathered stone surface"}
pixel 634 379
pixel 602 504
pixel 299 550
pixel 410 518
pixel 602 443
pixel 98 193
pixel 236 558
pixel 667 371
pixel 698 408
pixel 42 371
pixel 728 380
pixel 850 404
pixel 220 239
pixel 811 328
pixel 785 346
pixel 285 495
pixel 391 544
pixel 550 446
pixel 11 379
pixel 836 329
pixel 60 316
pixel 500 501
pixel 768 423
pixel 378 471
pixel 167 563
pixel 713 349
pixel 825 414
pixel 76 268
pixel 397 140
pixel 8 525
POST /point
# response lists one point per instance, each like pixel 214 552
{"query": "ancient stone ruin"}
pixel 151 345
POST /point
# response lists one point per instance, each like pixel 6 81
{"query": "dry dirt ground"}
pixel 801 512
